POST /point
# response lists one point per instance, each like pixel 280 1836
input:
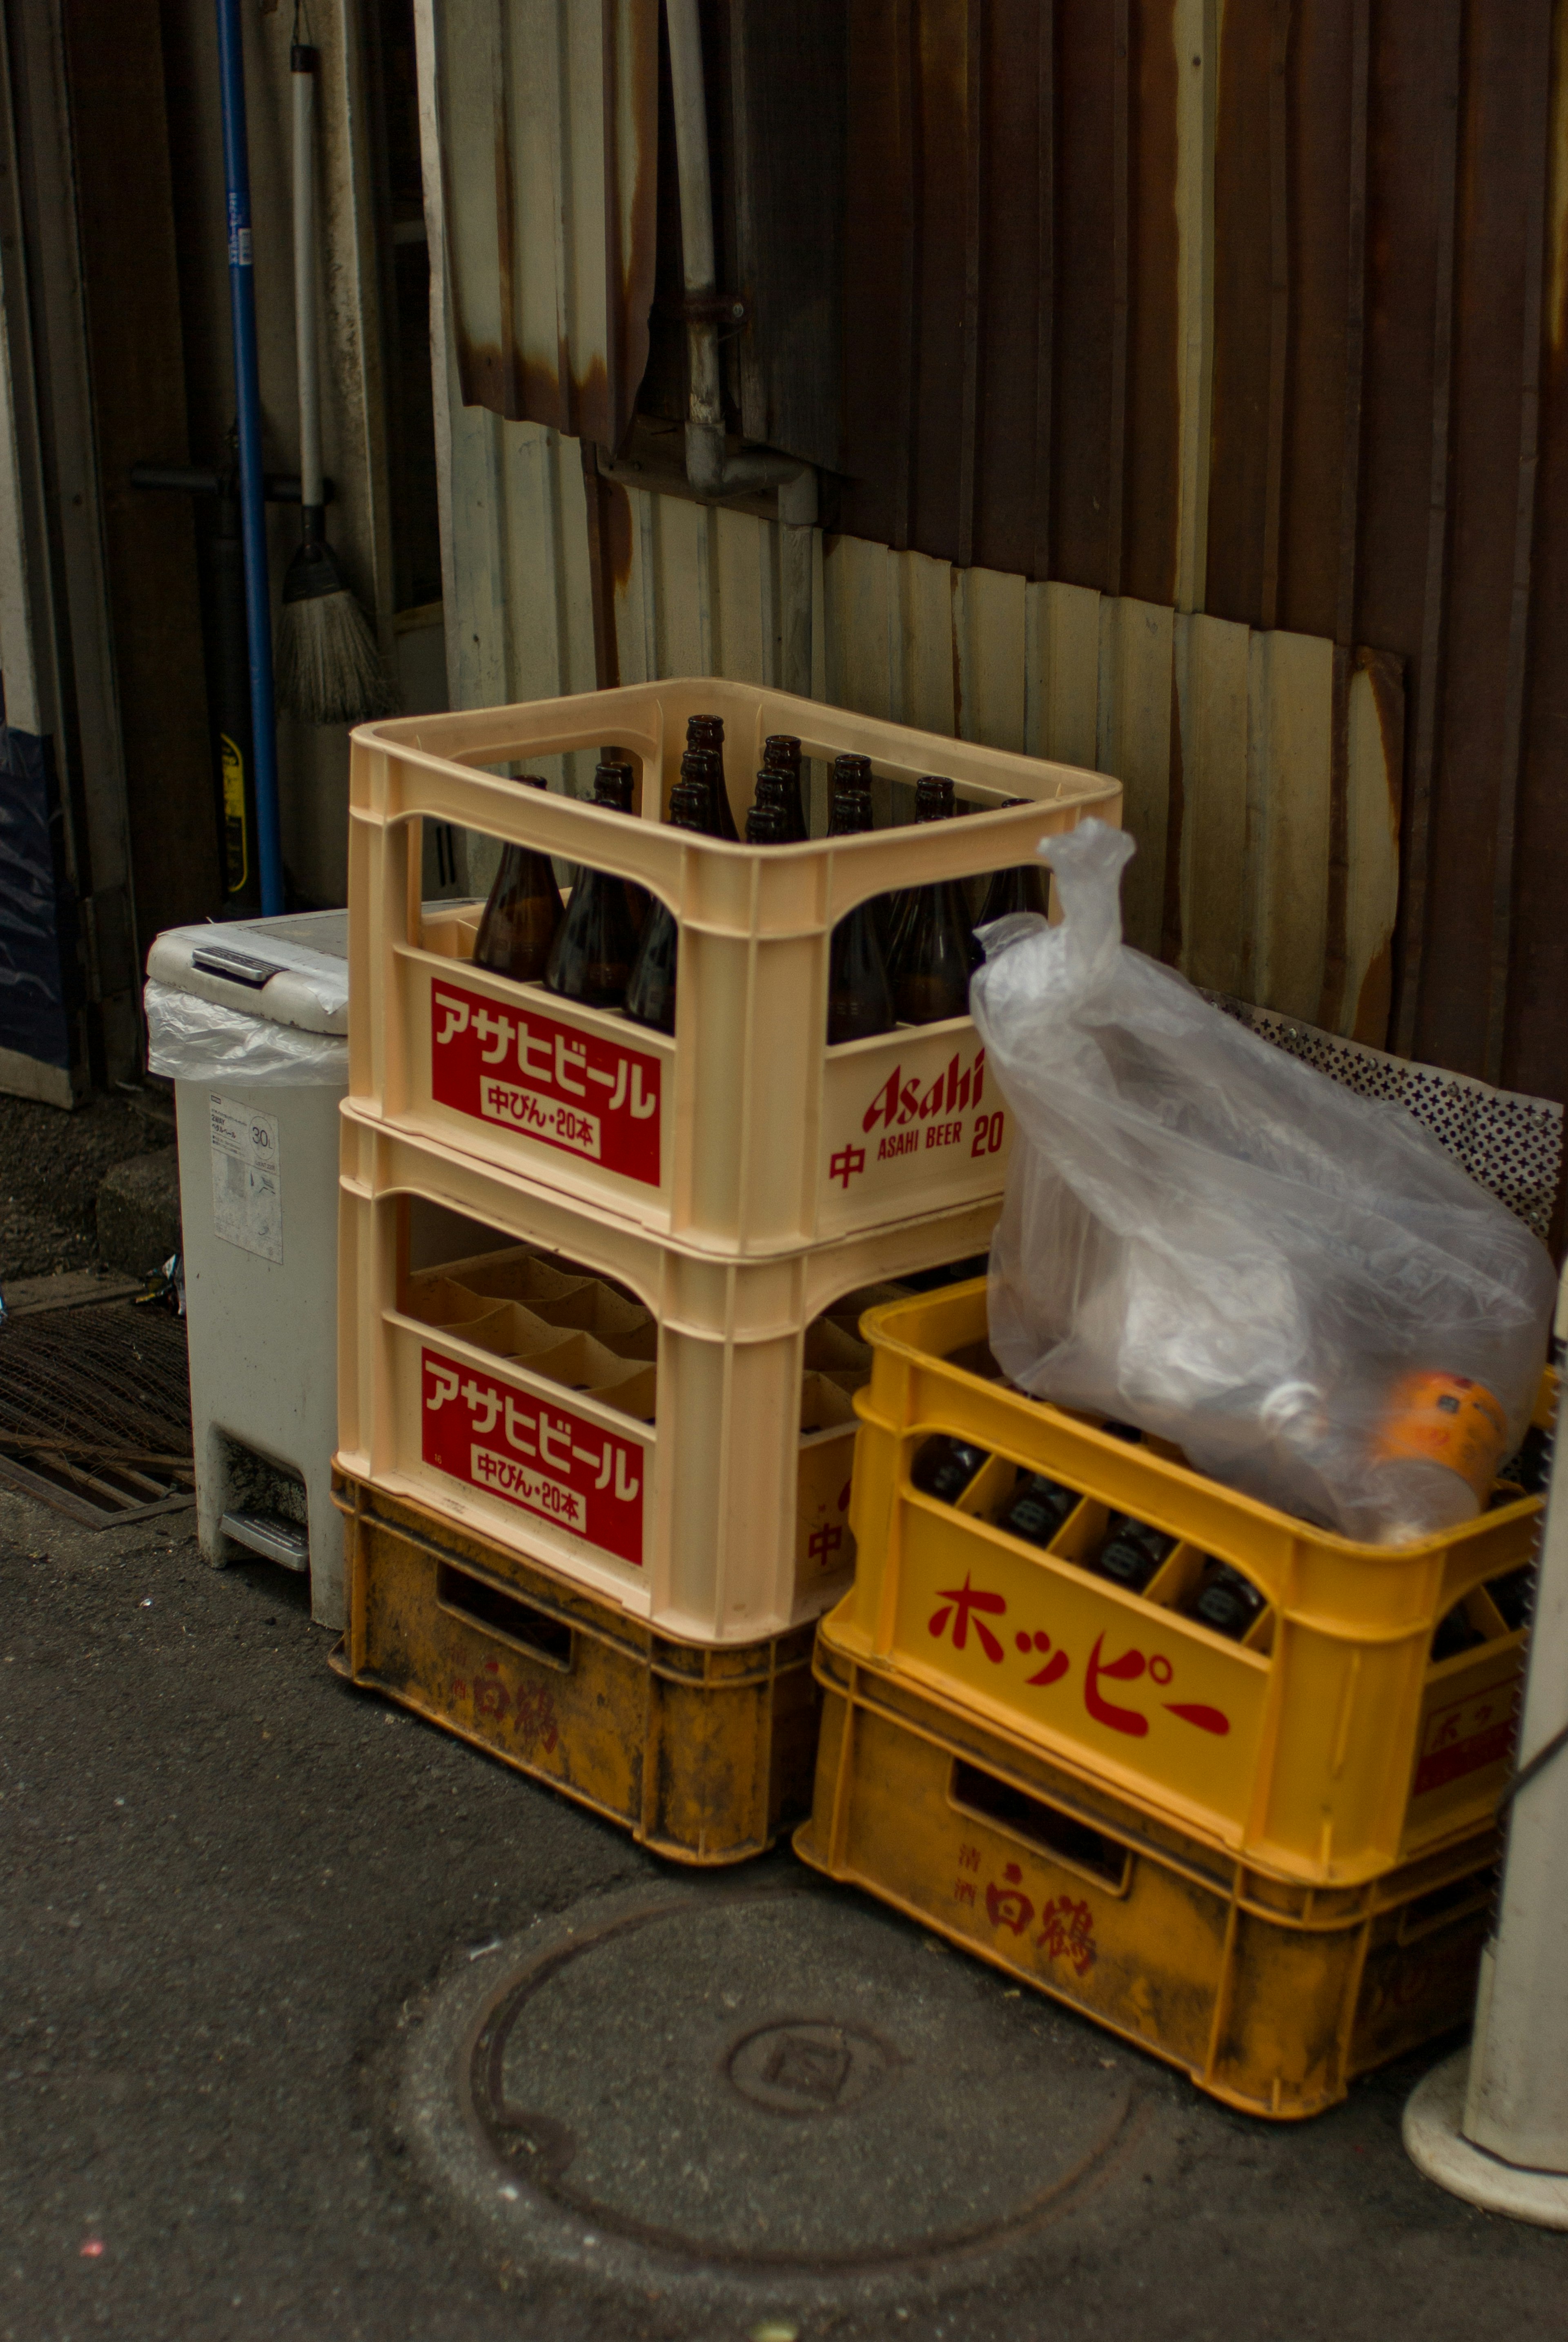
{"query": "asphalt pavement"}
pixel 241 1898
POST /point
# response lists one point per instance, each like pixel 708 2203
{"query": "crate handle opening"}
pixel 1060 1834
pixel 1446 1904
pixel 499 1613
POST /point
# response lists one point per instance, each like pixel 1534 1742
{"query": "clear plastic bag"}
pixel 1208 1239
pixel 190 1039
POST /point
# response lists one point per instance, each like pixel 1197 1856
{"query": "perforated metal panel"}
pixel 1511 1146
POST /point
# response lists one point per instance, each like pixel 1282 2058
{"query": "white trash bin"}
pixel 249 1020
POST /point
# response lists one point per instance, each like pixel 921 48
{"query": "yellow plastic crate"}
pixel 704 1755
pixel 1328 1746
pixel 744 1133
pixel 1271 1994
pixel 724 1517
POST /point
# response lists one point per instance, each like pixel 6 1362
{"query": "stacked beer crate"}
pixel 1220 1779
pixel 600 1287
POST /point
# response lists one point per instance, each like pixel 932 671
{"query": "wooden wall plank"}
pixel 920 593
pixel 1211 657
pixel 743 642
pixel 856 578
pixel 1376 774
pixel 1291 726
pixel 988 621
pixel 1066 648
pixel 680 556
pixel 1134 744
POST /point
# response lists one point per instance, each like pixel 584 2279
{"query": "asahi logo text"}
pixel 900 1102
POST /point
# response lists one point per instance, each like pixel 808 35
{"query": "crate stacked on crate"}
pixel 600 1286
pixel 1261 1847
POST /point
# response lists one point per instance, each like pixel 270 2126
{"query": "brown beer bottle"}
pixel 850 811
pixel 705 767
pixel 596 942
pixel 707 732
pixel 1226 1600
pixel 780 754
pixel 933 947
pixel 522 911
pixel 651 986
pixel 852 781
pixel 1021 888
pixel 773 791
pixel 859 994
pixel 637 898
pixel 764 821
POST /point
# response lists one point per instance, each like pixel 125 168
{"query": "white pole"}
pixel 1492 2123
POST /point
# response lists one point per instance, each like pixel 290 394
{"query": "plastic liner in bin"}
pixel 194 1040
pixel 1296 1285
pixel 265 1003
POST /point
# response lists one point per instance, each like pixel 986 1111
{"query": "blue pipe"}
pixel 252 499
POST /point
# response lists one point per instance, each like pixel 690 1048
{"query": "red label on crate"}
pixel 536 1453
pixel 518 1069
pixel 1464 1737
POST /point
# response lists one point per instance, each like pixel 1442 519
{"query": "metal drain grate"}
pixel 96 1413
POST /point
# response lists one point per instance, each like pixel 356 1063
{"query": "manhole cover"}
pixel 774 2079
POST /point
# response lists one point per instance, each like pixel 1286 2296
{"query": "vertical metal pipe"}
pixel 302 78
pixel 252 506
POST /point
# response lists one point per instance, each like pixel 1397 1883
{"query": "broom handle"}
pixel 247 401
pixel 302 62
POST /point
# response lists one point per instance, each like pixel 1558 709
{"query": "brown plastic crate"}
pixel 702 1754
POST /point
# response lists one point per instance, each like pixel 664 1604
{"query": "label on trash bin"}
pixel 247 1184
pixel 538 1455
pixel 559 1083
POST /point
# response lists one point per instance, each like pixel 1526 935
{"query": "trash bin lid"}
pixel 293 970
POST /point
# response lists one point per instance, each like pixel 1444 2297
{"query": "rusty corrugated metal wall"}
pixel 1257 309
pixel 548 151
pixel 1202 408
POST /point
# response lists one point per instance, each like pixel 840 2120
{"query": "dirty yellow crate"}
pixel 742 1132
pixel 1271 1994
pixel 1329 1745
pixel 700 1478
pixel 704 1755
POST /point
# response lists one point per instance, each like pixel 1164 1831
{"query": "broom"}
pixel 329 668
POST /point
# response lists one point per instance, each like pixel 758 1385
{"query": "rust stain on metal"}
pixel 1153 446
pixel 1536 132
pixel 1238 436
pixel 1446 42
pixel 586 386
pixel 1384 671
pixel 973 169
pixel 1330 1002
pixel 1121 269
pixel 1045 280
pixel 1557 261
pixel 1279 309
pixel 1171 910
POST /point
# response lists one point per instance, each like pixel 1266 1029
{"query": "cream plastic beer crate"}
pixel 1327 1745
pixel 743 1134
pixel 673 1431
